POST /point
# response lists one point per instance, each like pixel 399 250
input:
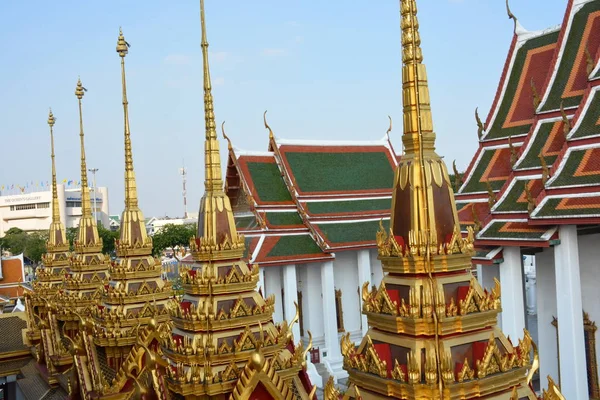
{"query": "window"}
pixel 339 312
pixel 73 204
pixel 19 207
pixel 43 205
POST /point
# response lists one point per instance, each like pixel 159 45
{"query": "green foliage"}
pixel 71 235
pixel 32 245
pixel 172 235
pixel 108 239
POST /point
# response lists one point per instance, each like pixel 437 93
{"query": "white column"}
pixel 334 360
pixel 569 310
pixel 261 280
pixel 364 275
pixel 376 269
pixel 290 294
pixel 513 302
pixel 273 286
pixel 480 274
pixel 546 310
pixel 104 209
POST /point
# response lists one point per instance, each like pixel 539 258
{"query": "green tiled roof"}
pixel 549 210
pixel 497 131
pixel 531 159
pixel 569 56
pixel 245 222
pixel 294 245
pixel 340 172
pixel 509 203
pixel 362 231
pixel 348 206
pixel 268 182
pixel 284 218
pixel 493 232
pixel 567 174
pixel 588 124
pixel 474 185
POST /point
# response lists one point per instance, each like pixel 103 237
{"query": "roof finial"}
pixel 271 136
pixel 480 126
pixel 511 15
pixel 390 128
pixel 565 120
pixel 131 198
pixel 589 60
pixel 213 180
pixel 225 136
pixel 55 209
pixel 86 208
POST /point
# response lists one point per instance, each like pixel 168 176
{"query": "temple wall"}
pixel 546 310
pixel 345 272
pixel 589 256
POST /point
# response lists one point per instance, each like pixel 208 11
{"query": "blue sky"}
pixel 324 69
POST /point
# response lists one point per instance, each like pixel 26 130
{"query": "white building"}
pixel 33 211
pixel 155 224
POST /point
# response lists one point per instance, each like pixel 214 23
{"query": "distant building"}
pixel 12 275
pixel 114 222
pixel 154 224
pixel 33 211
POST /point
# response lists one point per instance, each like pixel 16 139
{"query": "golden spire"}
pixel 217 234
pixel 213 180
pixel 86 208
pixel 57 236
pixel 418 124
pixel 133 229
pixel 87 235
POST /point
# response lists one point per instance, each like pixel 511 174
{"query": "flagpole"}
pixel 93 171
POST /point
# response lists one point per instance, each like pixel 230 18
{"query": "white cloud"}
pixel 177 59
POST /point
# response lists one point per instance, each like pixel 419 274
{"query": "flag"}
pixel 64 181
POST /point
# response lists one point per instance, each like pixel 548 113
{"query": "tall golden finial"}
pixel 131 198
pixel 55 209
pixel 57 236
pixel 86 208
pixel 213 180
pixel 418 125
pixel 133 229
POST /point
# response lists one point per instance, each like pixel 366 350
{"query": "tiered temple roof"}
pixel 224 343
pixel 432 329
pixel 535 166
pixel 89 266
pixel 300 201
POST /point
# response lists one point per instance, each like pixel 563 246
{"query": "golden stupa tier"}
pixel 88 265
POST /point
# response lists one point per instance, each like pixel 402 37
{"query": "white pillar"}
pixel 261 280
pixel 513 302
pixel 334 360
pixel 479 268
pixel 104 214
pixel 570 321
pixel 62 203
pixel 364 275
pixel 546 310
pixel 273 286
pixel 290 296
pixel 376 269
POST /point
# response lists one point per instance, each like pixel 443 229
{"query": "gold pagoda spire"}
pixel 87 236
pixel 133 229
pixel 213 180
pixel 217 234
pixel 57 236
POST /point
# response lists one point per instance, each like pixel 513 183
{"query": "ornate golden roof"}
pixel 136 293
pixel 88 265
pixel 433 329
pixel 224 341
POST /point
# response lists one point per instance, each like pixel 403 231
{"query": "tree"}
pixel 36 246
pixel 172 235
pixel 14 240
pixel 71 236
pixel 108 239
